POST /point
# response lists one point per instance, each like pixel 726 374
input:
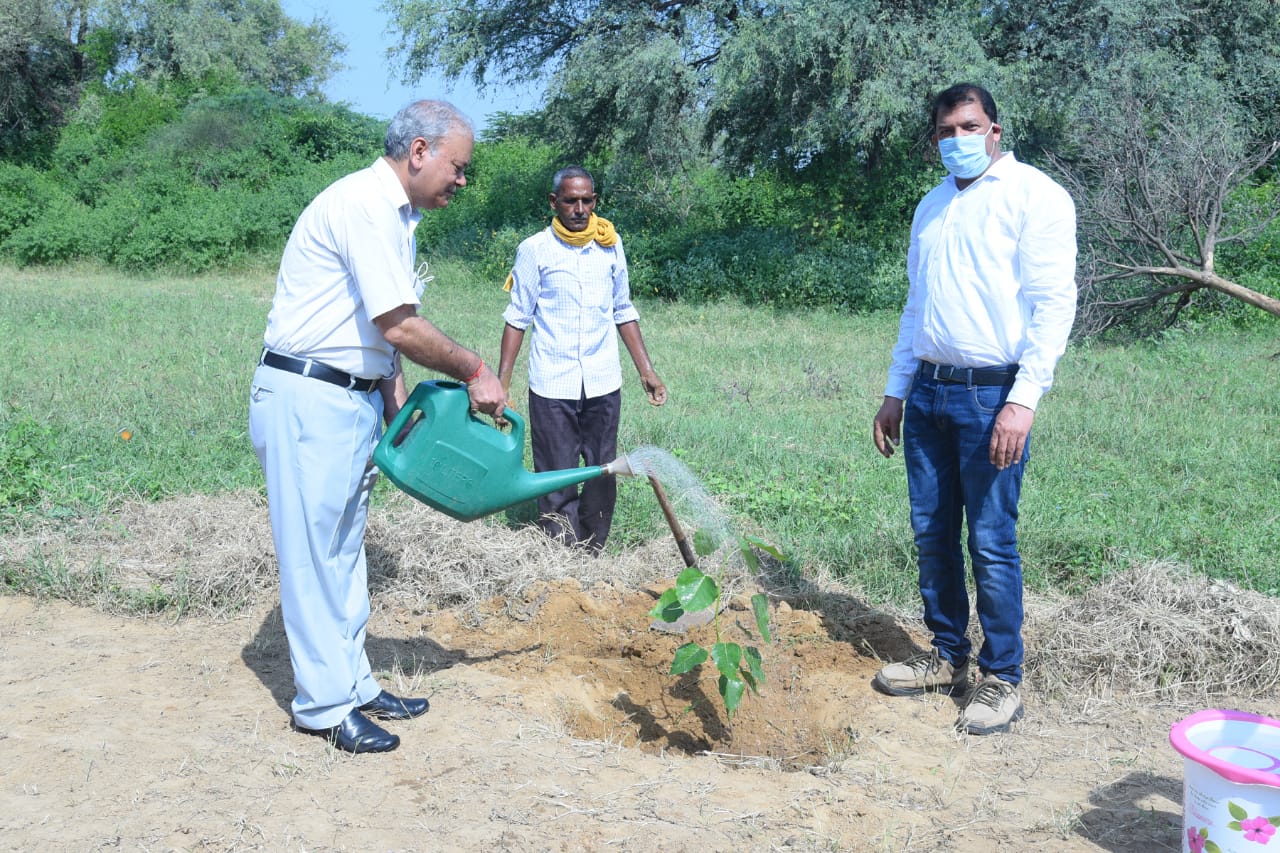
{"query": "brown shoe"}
pixel 992 706
pixel 925 671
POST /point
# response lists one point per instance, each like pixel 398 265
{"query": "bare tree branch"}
pixel 1162 184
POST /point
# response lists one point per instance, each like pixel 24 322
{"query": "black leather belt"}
pixel 314 369
pixel 970 375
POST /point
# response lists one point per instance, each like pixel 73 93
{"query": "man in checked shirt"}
pixel 569 283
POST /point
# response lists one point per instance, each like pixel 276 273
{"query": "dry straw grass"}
pixel 422 559
pixel 216 554
pixel 1157 630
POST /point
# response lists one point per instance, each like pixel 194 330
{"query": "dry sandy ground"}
pixel 552 728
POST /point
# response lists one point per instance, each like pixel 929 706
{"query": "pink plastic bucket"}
pixel 1231 782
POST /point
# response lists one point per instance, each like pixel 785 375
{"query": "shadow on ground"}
pixel 1123 820
pixel 267 654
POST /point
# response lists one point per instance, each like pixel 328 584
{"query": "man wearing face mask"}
pixel 992 297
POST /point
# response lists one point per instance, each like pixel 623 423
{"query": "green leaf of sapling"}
pixel 704 544
pixel 754 663
pixel 771 550
pixel 687 657
pixel 668 608
pixel 695 590
pixel 760 607
pixel 727 657
pixel 731 690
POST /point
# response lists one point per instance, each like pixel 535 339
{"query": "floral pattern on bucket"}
pixel 1257 829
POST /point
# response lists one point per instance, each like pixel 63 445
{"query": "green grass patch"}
pixel 1167 449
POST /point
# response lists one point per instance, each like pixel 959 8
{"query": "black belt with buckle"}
pixel 970 375
pixel 314 369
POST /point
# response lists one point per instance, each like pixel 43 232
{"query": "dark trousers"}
pixel 564 433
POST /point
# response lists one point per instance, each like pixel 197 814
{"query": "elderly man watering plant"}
pixel 570 283
pixel 344 312
pixel 991 301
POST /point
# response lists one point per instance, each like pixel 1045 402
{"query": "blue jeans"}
pixel 946 438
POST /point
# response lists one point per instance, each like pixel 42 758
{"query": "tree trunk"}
pixel 1216 282
pixel 1244 294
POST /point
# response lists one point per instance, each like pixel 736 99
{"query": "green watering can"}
pixel 463 466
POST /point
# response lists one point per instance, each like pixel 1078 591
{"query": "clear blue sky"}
pixel 371 85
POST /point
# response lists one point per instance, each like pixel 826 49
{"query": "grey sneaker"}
pixel 990 708
pixel 925 671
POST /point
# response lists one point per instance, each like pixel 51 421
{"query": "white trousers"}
pixel 315 442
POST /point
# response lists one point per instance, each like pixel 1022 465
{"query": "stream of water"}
pixel 695 508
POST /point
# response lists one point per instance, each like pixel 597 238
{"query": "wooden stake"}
pixel 686 551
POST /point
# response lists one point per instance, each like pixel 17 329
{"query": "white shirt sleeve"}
pixel 1047 260
pixel 623 310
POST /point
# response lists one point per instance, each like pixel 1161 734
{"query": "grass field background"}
pixel 1161 450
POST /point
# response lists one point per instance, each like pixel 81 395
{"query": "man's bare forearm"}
pixel 418 340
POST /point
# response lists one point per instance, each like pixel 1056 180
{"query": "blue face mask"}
pixel 965 156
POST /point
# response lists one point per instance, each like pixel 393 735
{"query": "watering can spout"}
pixel 620 467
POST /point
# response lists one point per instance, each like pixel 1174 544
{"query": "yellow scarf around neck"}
pixel 598 228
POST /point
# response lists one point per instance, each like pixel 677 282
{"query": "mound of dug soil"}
pixel 591 657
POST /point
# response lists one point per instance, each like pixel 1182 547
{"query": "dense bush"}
pixel 148 177
pixel 145 177
pixel 774 267
pixel 57 235
pixel 142 181
pixel 696 235
pixel 23 194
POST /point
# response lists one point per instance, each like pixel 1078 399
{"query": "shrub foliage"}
pixel 141 181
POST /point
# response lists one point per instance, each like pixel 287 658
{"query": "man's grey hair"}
pixel 431 120
pixel 571 172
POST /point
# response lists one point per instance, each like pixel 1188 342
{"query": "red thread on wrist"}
pixel 473 377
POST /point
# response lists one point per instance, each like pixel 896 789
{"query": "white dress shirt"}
pixel 349 259
pixel 575 298
pixel 992 279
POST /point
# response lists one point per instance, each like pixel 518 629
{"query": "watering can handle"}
pixel 407 411
pixel 399 421
pixel 511 416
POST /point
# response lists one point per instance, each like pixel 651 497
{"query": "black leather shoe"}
pixel 385 706
pixel 356 733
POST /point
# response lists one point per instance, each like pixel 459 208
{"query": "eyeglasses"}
pixel 421 273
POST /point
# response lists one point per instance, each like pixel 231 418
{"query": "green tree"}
pixel 52 51
pixel 1068 49
pixel 797 80
pixel 754 81
pixel 1163 119
pixel 249 42
pixel 43 64
pixel 630 76
pixel 843 78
